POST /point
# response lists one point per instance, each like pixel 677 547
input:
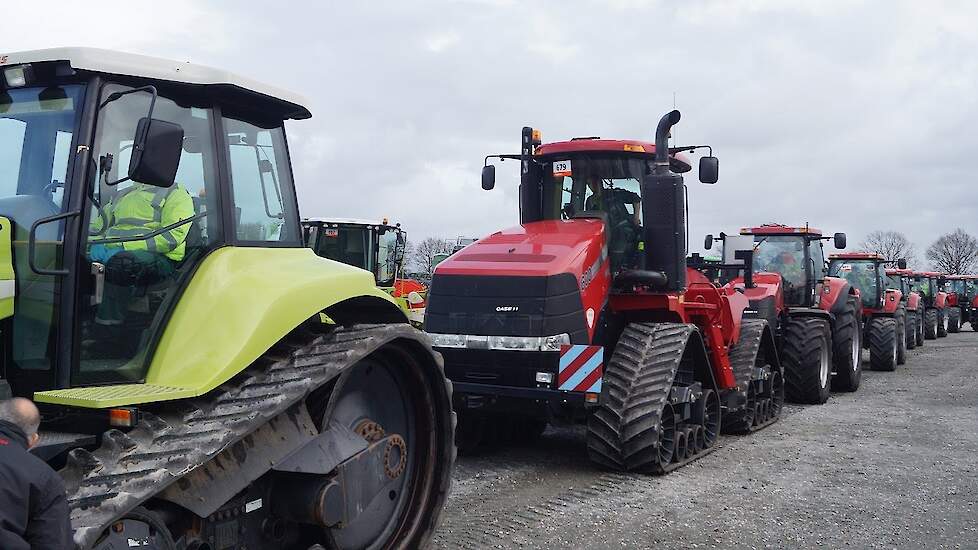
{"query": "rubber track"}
pixel 128 469
pixel 623 430
pixel 800 356
pixel 743 360
pixel 882 339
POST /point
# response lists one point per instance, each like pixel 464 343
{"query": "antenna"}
pixel 674 108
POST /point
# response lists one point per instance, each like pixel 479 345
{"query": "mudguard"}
pixel 952 300
pixel 833 292
pixel 974 303
pixel 891 301
pixel 239 303
pixel 940 300
pixel 913 301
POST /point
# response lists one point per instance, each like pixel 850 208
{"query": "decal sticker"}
pixel 252 506
pixel 580 368
pixel 845 267
pixel 590 273
pixel 3 59
pixel 333 233
pixel 589 315
pixel 562 168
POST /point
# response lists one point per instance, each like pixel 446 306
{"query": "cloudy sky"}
pixel 849 115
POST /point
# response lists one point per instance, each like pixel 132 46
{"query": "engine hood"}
pixel 541 248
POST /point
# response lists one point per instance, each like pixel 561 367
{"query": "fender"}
pixel 891 301
pixel 952 299
pixel 913 301
pixel 811 312
pixel 940 300
pixel 974 303
pixel 239 303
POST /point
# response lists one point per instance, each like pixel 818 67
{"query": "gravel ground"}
pixel 894 465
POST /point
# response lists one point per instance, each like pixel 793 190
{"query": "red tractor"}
pixel 902 279
pixel 884 313
pixel 816 318
pixel 957 301
pixel 587 311
pixel 935 302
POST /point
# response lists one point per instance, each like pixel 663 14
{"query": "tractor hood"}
pixel 543 248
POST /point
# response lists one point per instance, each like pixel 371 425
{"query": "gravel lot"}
pixel 894 465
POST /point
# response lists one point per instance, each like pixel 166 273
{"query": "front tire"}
pixel 953 319
pixel 807 354
pixel 930 323
pixel 911 330
pixel 847 350
pixel 883 343
pixel 900 336
pixel 942 323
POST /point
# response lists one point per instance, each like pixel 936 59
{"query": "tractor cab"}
pixel 376 246
pixel 122 173
pixel 925 283
pixel 796 253
pixel 866 272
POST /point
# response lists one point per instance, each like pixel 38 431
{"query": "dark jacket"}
pixel 33 507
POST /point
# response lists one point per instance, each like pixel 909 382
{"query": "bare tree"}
pixel 955 252
pixel 892 245
pixel 423 254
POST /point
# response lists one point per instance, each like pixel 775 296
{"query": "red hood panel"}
pixel 540 248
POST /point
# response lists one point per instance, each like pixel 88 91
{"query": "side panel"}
pixel 7 282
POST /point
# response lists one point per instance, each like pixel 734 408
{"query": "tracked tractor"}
pixel 586 311
pixel 902 279
pixel 935 301
pixel 884 311
pixel 816 317
pixel 376 246
pixel 205 380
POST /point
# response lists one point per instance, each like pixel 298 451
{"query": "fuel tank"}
pixel 541 278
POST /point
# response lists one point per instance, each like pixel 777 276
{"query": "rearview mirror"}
pixel 902 263
pixel 709 169
pixel 708 242
pixel 840 240
pixel 156 152
pixel 488 177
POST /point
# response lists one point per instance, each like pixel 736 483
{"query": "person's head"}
pixel 594 182
pixel 23 414
pixel 786 258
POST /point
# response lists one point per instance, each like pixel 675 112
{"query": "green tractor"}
pixel 205 379
pixel 377 247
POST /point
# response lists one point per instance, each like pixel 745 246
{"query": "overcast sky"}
pixel 849 115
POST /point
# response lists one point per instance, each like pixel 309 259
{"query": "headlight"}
pixel 447 340
pixel 514 343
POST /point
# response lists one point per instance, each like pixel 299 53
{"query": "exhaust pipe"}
pixel 662 132
pixel 663 213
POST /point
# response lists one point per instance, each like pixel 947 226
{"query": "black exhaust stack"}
pixel 662 213
pixel 531 193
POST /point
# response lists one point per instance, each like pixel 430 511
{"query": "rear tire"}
pixel 883 343
pixel 901 336
pixel 807 357
pixel 847 350
pixel 953 319
pixel 930 323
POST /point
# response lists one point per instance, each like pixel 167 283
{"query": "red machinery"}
pixel 935 302
pixel 902 279
pixel 957 301
pixel 587 310
pixel 884 313
pixel 816 317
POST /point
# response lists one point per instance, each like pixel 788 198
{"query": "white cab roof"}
pixel 347 221
pixel 127 64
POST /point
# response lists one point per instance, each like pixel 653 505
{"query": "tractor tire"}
pixel 953 319
pixel 635 427
pixel 942 322
pixel 930 323
pixel 883 343
pixel 901 339
pixel 847 349
pixel 911 330
pixel 807 358
pixel 920 327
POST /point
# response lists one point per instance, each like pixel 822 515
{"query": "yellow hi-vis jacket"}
pixel 141 209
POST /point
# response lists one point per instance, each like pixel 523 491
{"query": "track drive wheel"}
pixel 847 349
pixel 140 525
pixel 953 320
pixel 883 343
pixel 931 319
pixel 386 395
pixel 901 339
pixel 807 358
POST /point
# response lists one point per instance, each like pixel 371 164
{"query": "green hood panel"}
pixel 240 302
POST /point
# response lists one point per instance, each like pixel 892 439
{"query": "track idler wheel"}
pixel 668 441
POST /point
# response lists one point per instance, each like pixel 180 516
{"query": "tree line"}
pixel 955 252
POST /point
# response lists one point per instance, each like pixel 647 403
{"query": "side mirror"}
pixel 902 263
pixel 709 169
pixel 708 242
pixel 840 240
pixel 488 177
pixel 156 152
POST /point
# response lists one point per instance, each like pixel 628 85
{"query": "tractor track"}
pixel 890 466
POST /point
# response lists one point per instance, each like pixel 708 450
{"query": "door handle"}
pixel 98 272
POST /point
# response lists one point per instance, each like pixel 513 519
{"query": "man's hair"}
pixel 21 413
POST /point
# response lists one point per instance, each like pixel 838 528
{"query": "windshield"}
pixel 957 286
pixel 893 281
pixel 390 252
pixel 36 129
pixel 783 254
pixel 862 275
pixel 349 245
pixel 608 187
pixel 923 286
